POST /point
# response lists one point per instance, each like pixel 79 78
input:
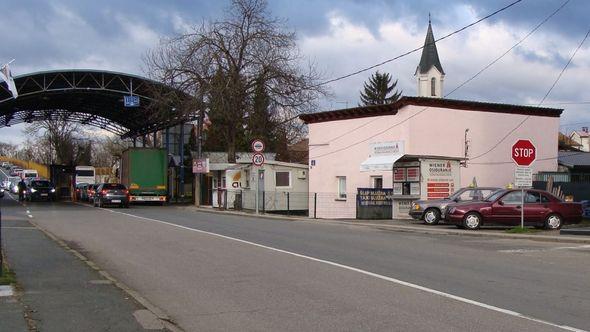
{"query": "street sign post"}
pixel 258 159
pixel 523 154
pixel 258 146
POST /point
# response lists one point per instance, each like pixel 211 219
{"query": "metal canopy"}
pixel 89 97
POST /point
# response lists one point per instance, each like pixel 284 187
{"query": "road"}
pixel 220 272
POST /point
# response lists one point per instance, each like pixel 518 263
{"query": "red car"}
pixel 504 208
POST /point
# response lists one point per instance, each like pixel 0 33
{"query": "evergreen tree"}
pixel 379 91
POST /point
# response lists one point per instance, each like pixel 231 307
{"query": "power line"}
pixel 416 49
pixel 540 103
pixel 454 90
pixel 542 159
pixel 510 49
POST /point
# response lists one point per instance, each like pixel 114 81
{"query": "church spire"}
pixel 429 53
pixel 429 73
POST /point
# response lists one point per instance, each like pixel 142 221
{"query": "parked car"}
pixel 111 193
pixel 40 190
pixel 81 191
pixel 5 164
pixel 432 211
pixel 541 209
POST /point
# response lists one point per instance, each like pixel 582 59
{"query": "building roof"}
pixel 392 109
pixel 429 54
pixel 574 159
pixel 581 133
pixel 566 143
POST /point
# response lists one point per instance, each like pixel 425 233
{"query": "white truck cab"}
pixel 85 174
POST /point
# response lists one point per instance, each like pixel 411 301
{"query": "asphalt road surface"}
pixel 218 272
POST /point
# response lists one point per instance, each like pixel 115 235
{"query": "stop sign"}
pixel 524 152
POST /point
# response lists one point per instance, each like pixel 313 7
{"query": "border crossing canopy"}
pixel 90 97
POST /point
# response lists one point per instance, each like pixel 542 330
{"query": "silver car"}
pixel 431 211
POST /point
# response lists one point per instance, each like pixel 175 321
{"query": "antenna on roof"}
pixel 428 17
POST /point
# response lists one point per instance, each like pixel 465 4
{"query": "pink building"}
pixel 420 147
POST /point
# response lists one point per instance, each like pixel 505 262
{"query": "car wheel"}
pixel 553 222
pixel 431 216
pixel 100 203
pixel 472 221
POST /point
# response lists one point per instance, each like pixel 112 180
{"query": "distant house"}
pixel 582 137
pixel 281 186
pixel 565 143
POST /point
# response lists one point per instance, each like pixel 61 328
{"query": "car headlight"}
pixel 33 190
pixel 52 190
pixel 416 206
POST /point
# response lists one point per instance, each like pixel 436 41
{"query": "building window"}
pixel 433 86
pixel 341 187
pixel 377 182
pixel 283 179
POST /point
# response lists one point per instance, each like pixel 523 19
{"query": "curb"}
pixel 402 228
pixel 167 322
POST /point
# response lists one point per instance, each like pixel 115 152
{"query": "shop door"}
pixel 207 190
pixel 261 197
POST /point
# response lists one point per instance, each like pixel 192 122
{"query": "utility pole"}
pixel 199 176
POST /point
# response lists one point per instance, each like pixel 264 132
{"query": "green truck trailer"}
pixel 145 173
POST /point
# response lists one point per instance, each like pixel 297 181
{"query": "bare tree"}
pixel 222 63
pixel 56 137
pixel 8 149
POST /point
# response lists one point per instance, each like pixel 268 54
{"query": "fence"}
pixel 314 205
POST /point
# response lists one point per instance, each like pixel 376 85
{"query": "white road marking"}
pixel 519 251
pixel 371 274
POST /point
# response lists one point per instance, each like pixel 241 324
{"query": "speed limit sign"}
pixel 258 159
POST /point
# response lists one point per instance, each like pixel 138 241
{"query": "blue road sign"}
pixel 131 101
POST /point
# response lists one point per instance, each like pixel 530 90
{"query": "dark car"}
pixel 432 211
pixel 38 190
pixel 111 193
pixel 504 208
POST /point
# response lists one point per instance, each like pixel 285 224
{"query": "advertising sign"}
pixel 374 203
pixel 440 178
pixel 399 174
pixel 387 148
pixel 201 165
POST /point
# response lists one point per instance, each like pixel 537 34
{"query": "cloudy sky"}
pixel 339 36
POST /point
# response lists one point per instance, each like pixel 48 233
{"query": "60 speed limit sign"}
pixel 258 159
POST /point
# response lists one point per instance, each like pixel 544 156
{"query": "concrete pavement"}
pixel 221 272
pixel 57 291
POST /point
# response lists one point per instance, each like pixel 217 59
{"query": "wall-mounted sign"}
pixel 413 174
pixel 201 165
pixel 399 174
pixel 131 101
pixel 439 178
pixel 387 148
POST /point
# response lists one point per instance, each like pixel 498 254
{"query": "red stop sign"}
pixel 524 152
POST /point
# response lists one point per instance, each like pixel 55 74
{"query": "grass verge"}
pixel 8 277
pixel 519 230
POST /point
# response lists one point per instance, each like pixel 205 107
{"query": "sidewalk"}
pixel 414 226
pixel 59 292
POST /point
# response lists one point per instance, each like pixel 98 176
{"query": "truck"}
pixel 85 174
pixel 30 173
pixel 144 171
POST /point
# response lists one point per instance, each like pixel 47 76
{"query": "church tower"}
pixel 429 74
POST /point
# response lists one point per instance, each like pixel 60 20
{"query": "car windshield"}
pixel 40 184
pixel 494 196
